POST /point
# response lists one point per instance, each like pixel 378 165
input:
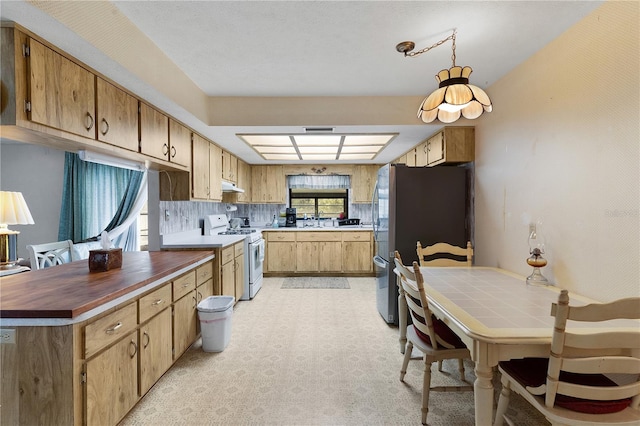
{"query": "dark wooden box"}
pixel 104 260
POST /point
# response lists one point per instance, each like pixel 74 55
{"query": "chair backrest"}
pixel 51 254
pixel 418 306
pixel 403 270
pixel 604 352
pixel 428 256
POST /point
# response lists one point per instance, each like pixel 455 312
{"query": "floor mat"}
pixel 315 282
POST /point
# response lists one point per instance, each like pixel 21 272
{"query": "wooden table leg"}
pixel 483 393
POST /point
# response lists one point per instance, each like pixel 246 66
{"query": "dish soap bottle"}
pixel 274 224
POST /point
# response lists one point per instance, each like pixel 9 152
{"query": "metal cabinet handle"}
pixel 145 334
pixel 173 151
pixel 112 329
pixel 157 302
pixel 90 122
pixel 186 285
pixel 195 301
pixel 134 345
pixel 104 133
pixel 165 149
pixel 199 297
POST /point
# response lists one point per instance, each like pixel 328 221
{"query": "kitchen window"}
pixel 319 203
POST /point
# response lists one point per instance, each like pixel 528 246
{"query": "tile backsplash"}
pixel 179 216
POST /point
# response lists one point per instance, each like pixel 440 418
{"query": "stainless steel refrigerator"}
pixel 429 204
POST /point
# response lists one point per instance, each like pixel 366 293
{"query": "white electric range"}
pixel 254 247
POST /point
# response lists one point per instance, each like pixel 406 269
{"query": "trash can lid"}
pixel 216 303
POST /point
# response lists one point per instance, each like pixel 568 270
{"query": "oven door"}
pixel 256 260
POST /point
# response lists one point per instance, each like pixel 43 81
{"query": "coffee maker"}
pixel 291 217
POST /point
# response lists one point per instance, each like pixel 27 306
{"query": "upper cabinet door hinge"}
pixel 27 106
pixel 83 377
pixel 25 50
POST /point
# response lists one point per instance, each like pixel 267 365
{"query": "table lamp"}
pixel 13 211
pixel 536 250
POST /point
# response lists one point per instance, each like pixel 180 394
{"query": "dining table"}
pixel 498 317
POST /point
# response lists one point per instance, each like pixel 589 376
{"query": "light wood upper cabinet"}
pixel 421 154
pixel 362 183
pixel 451 145
pixel 200 168
pixel 62 93
pixel 268 184
pixel 229 167
pixel 179 144
pixel 117 116
pixel 215 169
pixel 154 132
pixel 244 182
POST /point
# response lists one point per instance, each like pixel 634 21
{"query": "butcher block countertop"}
pixel 70 293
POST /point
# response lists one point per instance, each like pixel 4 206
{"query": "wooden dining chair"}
pixel 575 384
pixel 51 254
pixel 428 334
pixel 403 271
pixel 444 254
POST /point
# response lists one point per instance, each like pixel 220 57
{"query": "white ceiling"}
pixel 319 49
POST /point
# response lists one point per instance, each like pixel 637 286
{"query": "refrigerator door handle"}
pixel 375 216
pixel 380 262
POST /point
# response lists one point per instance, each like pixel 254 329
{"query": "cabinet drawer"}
pixel 204 272
pixel 155 302
pixel 239 249
pixel 281 236
pixel 227 255
pixel 319 236
pixel 109 329
pixel 356 236
pixel 184 285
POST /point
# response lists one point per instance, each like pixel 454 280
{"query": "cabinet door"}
pixel 154 132
pixel 205 290
pixel 155 349
pixel 112 382
pixel 307 256
pixel 244 182
pixel 411 158
pixel 239 276
pixel 215 172
pixel 185 320
pixel 62 93
pixel 364 180
pixel 281 256
pixel 356 256
pixel 435 148
pixel 259 184
pixel 229 167
pixel 228 279
pixel 179 144
pixel 117 116
pixel 421 154
pixel 330 256
pixel 200 168
pixel 275 184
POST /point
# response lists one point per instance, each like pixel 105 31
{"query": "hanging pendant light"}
pixel 454 97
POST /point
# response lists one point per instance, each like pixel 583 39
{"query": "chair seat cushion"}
pixel 533 372
pixel 443 331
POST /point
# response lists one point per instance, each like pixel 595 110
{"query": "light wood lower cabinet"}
pixel 112 382
pixel 155 349
pixel 318 252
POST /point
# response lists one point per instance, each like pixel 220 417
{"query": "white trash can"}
pixel 215 322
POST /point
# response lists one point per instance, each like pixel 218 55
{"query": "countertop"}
pixel 70 293
pixel 321 228
pixel 195 240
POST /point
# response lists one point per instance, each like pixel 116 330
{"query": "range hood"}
pixel 230 187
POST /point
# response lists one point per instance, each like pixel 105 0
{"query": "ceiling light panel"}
pixel 367 139
pixel 359 149
pixel 275 149
pixel 273 140
pixel 318 150
pixel 287 157
pixel 317 140
pixel 319 157
pixel 357 156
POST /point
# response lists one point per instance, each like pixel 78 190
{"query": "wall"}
pixel 37 172
pixel 562 147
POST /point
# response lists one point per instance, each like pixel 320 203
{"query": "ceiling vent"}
pixel 319 129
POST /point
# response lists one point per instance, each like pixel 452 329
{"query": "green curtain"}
pixel 95 198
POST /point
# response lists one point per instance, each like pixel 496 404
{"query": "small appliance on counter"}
pixel 245 222
pixel 349 222
pixel 290 220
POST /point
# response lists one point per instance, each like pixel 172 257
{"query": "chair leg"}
pixel 426 387
pixel 405 361
pixel 461 369
pixel 503 403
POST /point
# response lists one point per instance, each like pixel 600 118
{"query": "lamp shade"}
pixel 13 209
pixel 454 97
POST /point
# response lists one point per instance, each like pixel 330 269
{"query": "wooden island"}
pixel 86 346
